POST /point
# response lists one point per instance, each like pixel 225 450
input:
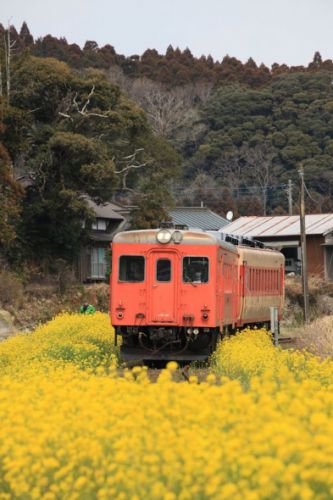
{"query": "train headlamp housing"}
pixel 164 236
pixel 177 236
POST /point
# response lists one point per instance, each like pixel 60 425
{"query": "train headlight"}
pixel 177 237
pixel 164 236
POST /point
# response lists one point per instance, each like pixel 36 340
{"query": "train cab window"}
pixel 195 269
pixel 163 270
pixel 131 268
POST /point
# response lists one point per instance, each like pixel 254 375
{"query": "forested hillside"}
pixel 150 130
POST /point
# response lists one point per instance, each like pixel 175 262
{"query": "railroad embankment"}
pixel 35 303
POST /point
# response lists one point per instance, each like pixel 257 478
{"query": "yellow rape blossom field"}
pixel 73 427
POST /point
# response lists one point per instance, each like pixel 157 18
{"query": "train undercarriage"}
pixel 165 343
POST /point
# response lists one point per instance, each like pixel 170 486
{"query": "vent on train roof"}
pixel 241 240
pixel 171 225
pixel 230 239
pixel 166 225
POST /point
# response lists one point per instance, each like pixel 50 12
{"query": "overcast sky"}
pixel 283 31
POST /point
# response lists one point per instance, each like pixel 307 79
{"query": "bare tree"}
pixel 228 169
pixel 117 76
pixel 259 160
pixel 200 91
pixel 1 89
pixel 166 109
pixel 247 172
pixel 8 45
pixel 130 163
pixel 172 113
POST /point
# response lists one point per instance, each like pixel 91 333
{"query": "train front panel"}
pixel 164 296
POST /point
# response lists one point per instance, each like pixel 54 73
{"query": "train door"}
pixel 163 273
pixel 235 292
pixel 220 291
pixel 227 285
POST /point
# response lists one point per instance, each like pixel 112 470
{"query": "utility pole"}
pixel 303 247
pixel 290 197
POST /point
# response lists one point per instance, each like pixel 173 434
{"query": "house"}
pixel 283 233
pixel 111 218
pixel 197 218
pixel 94 258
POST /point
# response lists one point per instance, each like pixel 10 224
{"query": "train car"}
pixel 175 292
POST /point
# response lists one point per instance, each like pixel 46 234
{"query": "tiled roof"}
pixel 288 225
pixel 105 211
pixel 197 218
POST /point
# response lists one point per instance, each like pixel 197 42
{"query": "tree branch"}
pixel 81 109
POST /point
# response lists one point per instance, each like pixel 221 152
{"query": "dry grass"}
pixel 41 303
pixel 320 300
pixel 11 290
pixel 317 337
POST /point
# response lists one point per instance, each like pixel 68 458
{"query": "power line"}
pixel 307 192
pixel 249 189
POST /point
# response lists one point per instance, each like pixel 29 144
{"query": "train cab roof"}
pixel 172 236
pixel 167 236
pixel 250 252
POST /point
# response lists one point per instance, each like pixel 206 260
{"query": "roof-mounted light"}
pixel 177 236
pixel 164 236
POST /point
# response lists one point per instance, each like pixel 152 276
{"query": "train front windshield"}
pixel 195 269
pixel 131 268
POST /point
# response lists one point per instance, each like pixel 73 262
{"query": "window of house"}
pixel 99 225
pixel 195 269
pixel 131 268
pixel 163 270
pixel 98 263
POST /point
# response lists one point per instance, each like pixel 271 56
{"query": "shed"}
pixel 283 233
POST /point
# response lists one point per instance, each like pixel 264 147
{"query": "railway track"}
pixel 285 340
pixel 288 342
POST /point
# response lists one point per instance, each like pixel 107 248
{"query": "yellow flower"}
pixel 172 366
pixel 74 426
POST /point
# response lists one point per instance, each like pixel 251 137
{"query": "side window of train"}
pixel 131 268
pixel 249 279
pixel 195 269
pixel 163 270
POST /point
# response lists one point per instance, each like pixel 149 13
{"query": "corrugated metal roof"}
pixel 197 218
pixel 288 225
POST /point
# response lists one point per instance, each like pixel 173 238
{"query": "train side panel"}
pixel 261 284
pixel 228 277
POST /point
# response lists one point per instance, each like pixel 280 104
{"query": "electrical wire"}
pixel 249 189
pixel 307 192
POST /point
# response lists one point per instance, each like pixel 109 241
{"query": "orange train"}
pixel 174 292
